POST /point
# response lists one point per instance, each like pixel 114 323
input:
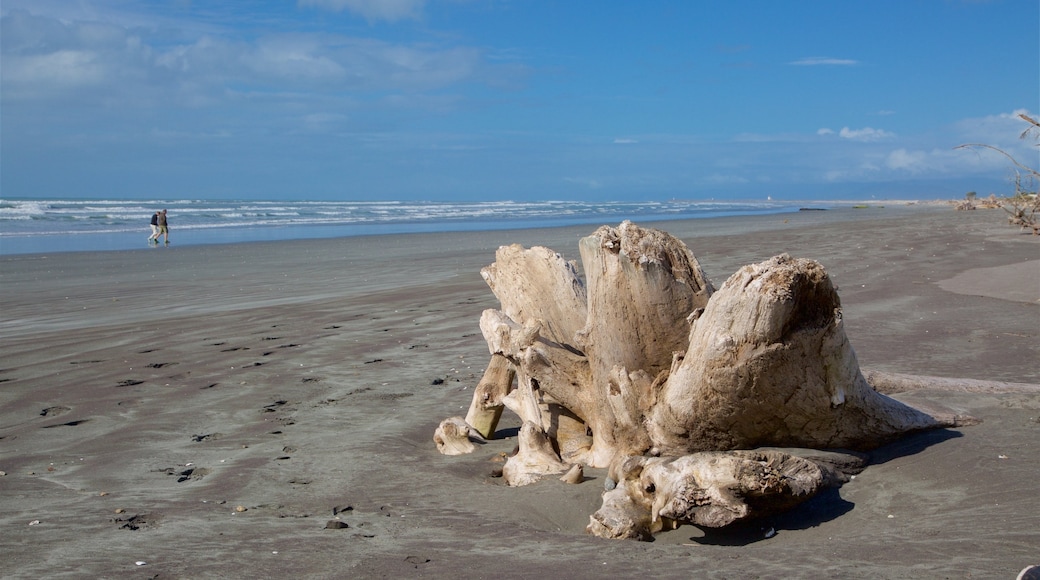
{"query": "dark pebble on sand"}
pixel 335 525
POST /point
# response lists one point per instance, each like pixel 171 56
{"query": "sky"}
pixel 445 100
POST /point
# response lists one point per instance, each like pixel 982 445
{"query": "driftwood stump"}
pixel 645 368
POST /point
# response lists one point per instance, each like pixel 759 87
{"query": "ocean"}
pixel 69 225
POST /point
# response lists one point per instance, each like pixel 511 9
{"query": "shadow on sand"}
pixel 826 505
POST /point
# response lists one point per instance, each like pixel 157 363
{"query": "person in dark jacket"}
pixel 155 229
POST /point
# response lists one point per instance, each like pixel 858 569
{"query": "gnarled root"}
pixel 709 489
pixel 455 437
pixel 535 459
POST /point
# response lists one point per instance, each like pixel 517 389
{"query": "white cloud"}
pixel 295 57
pixel 947 162
pixel 59 70
pixel 824 131
pixel 864 134
pixel 1000 130
pixel 87 63
pixel 373 10
pixel 912 161
pixel 621 141
pixel 823 61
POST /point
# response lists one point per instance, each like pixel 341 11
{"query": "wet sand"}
pixel 267 410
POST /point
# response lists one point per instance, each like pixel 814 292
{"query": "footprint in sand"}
pixel 69 424
pixel 55 411
pixel 417 561
pixel 138 521
pixel 190 474
pixel 273 406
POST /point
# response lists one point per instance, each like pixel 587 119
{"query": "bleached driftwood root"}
pixel 645 365
pixel 536 458
pixel 575 475
pixel 769 364
pixel 707 488
pixel 486 408
pixel 890 383
pixel 455 437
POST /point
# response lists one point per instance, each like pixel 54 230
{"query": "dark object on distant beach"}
pixel 437 382
pixel 336 525
pixel 812 209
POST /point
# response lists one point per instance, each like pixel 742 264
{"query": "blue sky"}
pixel 514 99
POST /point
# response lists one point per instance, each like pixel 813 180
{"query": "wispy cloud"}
pixel 879 154
pixel 823 61
pixel 87 63
pixel 999 130
pixel 864 134
pixel 373 10
pixel 621 141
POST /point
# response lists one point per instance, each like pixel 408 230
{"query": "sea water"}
pixel 64 225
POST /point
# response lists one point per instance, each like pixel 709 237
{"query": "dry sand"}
pixel 147 397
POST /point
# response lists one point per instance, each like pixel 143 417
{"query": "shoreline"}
pixel 87 240
pixel 146 396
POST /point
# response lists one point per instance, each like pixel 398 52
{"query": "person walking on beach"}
pixel 155 229
pixel 164 228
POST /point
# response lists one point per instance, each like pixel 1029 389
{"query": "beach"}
pixel 267 410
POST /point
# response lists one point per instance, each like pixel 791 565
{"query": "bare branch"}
pixel 1025 168
pixel 1031 121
